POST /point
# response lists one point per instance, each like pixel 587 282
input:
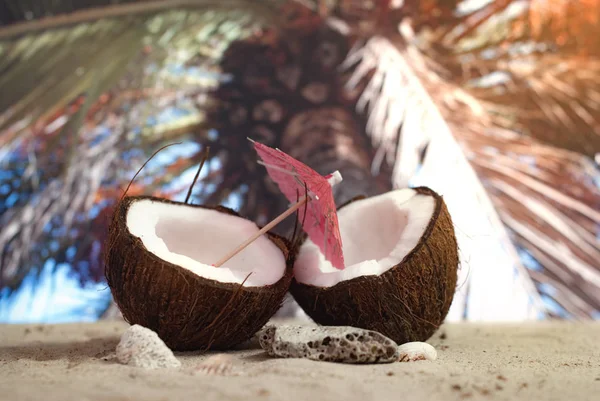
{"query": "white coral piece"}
pixel 141 347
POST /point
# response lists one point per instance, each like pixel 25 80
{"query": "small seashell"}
pixel 220 364
pixel 416 351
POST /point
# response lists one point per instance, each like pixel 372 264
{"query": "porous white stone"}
pixel 143 348
pixel 328 343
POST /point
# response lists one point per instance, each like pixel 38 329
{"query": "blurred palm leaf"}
pixel 411 120
pixel 572 26
pixel 73 118
pixel 513 107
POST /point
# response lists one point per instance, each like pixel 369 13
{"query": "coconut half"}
pixel 158 267
pixel 401 267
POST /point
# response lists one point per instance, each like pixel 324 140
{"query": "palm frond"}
pixel 572 26
pixel 547 198
pixel 65 13
pixel 544 96
pixel 568 26
pixel 528 63
pixel 59 64
pixel 405 119
pixel 78 102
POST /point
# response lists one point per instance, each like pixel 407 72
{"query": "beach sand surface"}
pixel 533 361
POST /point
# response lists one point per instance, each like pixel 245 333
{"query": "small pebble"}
pixel 142 348
pixel 417 351
pixel 328 344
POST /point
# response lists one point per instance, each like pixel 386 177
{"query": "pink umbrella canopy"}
pixel 319 217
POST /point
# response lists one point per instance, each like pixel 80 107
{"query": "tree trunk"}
pixel 288 90
pixel 329 139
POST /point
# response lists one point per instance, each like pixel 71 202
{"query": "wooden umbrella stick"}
pixel 266 228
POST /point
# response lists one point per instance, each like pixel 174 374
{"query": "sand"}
pixel 534 361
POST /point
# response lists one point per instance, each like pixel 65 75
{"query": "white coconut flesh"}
pixel 377 233
pixel 195 238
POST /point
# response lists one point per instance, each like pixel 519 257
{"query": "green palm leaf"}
pixel 58 83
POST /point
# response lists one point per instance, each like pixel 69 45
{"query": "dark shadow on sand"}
pixel 258 357
pixel 73 351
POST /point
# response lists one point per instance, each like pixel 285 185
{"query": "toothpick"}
pixel 266 228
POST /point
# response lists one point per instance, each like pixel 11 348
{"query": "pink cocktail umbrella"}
pixel 319 217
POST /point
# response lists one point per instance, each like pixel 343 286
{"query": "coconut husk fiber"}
pixel 406 303
pixel 187 311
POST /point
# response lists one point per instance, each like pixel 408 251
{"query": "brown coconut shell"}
pixel 187 311
pixel 406 303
